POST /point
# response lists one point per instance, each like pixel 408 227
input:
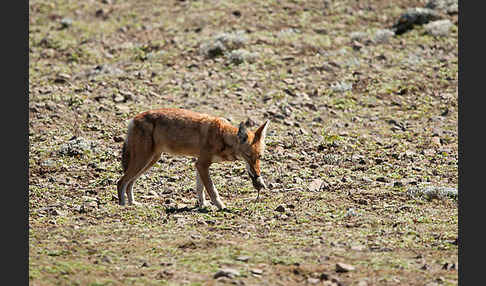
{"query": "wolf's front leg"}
pixel 203 169
pixel 201 196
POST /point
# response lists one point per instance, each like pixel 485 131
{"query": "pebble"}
pixel 362 283
pixel 436 141
pixel 343 267
pixel 315 185
pixel 227 272
pixel 243 258
pixel 438 28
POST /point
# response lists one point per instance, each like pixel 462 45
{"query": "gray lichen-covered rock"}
pixel 414 16
pixel 438 28
pixel 76 146
pixel 240 56
pixel 341 86
pixel 433 192
pixel 358 36
pixel 447 6
pixel 382 36
pixel 222 44
pixel 100 70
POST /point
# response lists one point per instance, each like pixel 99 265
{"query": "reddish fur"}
pixel 184 132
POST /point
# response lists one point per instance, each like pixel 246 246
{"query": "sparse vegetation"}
pixel 361 119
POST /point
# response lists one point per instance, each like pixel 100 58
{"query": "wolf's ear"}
pixel 242 135
pixel 261 133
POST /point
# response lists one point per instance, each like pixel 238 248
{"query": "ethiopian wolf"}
pixel 182 132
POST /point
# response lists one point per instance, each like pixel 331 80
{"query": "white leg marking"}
pixel 215 198
pixel 201 196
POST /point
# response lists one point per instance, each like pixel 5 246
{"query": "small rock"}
pixel 222 43
pixel 213 50
pixel 341 86
pixel 106 259
pixel 243 258
pixel 331 159
pixel 256 271
pixel 280 208
pixel 227 272
pixel 356 45
pixel 362 283
pixel 311 280
pixel 436 141
pixel 75 146
pixel 449 6
pixel 382 179
pixel 357 247
pixel 145 264
pixel 449 266
pixel 63 77
pixel 118 98
pixel 414 16
pixel 165 274
pixel 382 36
pixel 288 122
pixel 49 163
pixel 122 109
pixel 92 204
pixel 57 212
pixel 88 199
pixel 239 56
pixel 358 36
pixel 343 267
pixel 350 212
pixel 66 23
pixel 439 28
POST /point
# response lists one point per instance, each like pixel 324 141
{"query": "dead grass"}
pixel 369 144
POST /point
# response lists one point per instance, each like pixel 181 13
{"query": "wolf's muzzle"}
pixel 257 182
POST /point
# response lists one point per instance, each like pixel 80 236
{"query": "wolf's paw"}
pixel 134 203
pixel 203 204
pixel 220 205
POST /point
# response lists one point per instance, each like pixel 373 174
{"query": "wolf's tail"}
pixel 126 149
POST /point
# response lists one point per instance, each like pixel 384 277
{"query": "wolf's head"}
pixel 251 148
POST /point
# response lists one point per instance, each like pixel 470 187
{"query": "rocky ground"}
pixel 361 161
